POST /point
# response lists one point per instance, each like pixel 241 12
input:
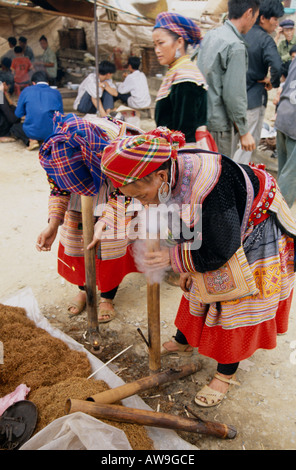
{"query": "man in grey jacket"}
pixel 264 70
pixel 286 137
pixel 223 60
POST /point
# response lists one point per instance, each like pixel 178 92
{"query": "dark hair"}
pixel 12 40
pixel 23 39
pixel 134 62
pixel 167 165
pixel 6 78
pixel 175 36
pixel 6 61
pixel 43 38
pixel 18 49
pixel 106 67
pixel 270 9
pixel 237 8
pixel 39 76
pixel 293 49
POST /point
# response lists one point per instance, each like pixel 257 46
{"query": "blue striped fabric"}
pixel 71 156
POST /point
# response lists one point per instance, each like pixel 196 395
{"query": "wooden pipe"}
pixel 127 390
pixel 153 310
pixel 90 271
pixel 150 418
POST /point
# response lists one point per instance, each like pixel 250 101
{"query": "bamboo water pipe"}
pixel 127 390
pixel 150 418
pixel 90 271
pixel 153 311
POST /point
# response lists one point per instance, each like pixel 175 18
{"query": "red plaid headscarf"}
pixel 180 25
pixel 126 160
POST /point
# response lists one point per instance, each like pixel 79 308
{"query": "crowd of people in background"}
pixel 262 54
pixel 20 71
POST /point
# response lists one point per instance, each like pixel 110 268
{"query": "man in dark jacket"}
pixel 263 58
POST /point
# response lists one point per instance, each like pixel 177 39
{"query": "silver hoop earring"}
pixel 164 196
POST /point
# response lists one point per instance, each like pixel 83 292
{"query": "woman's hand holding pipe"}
pixel 99 228
pixel 158 259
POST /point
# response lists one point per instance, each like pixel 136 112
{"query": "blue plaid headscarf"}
pixel 180 25
pixel 71 156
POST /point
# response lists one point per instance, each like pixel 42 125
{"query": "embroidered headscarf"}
pixel 126 160
pixel 180 25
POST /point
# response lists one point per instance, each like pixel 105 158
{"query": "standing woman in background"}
pixel 181 102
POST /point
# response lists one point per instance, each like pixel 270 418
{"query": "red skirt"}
pixel 235 345
pixel 109 273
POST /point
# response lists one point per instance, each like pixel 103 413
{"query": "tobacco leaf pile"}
pixel 52 371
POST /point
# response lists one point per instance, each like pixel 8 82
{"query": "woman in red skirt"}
pixel 237 269
pixel 71 158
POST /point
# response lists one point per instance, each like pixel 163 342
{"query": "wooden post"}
pixel 96 55
pixel 90 270
pixel 153 310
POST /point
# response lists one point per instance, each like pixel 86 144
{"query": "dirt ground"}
pixel 263 408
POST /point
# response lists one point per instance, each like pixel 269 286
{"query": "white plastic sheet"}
pixel 70 431
pixel 78 431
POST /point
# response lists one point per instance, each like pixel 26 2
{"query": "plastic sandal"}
pixel 78 305
pixel 103 312
pixel 180 352
pixel 207 396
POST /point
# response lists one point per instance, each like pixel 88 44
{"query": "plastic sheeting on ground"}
pixel 78 431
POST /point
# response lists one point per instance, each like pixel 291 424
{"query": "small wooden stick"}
pixel 108 362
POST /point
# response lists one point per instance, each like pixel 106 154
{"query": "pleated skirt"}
pixel 232 331
pixel 71 266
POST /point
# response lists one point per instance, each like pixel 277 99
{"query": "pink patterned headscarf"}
pixel 180 25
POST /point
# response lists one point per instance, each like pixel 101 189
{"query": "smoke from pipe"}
pixel 153 276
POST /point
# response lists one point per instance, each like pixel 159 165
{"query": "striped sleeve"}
pixel 57 206
pixel 181 258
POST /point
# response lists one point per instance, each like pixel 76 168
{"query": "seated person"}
pixel 38 104
pixel 134 90
pixel 48 61
pixel 86 100
pixel 11 127
pixel 5 67
pixel 20 67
